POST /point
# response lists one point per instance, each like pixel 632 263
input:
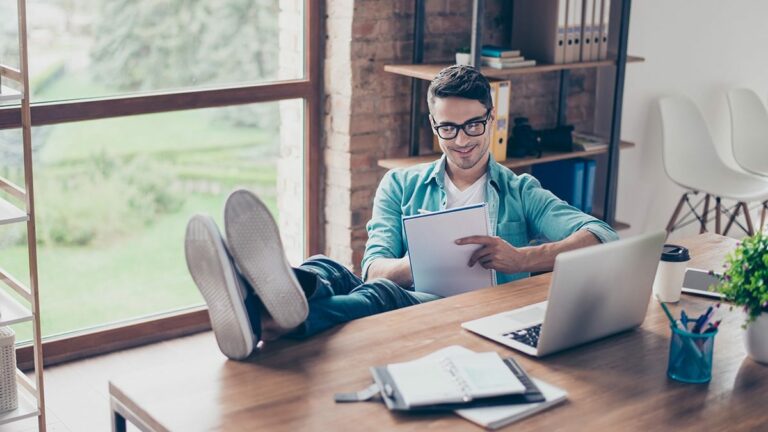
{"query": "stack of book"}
pixel 503 58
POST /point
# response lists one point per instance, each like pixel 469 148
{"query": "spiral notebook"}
pixel 440 266
pixel 457 381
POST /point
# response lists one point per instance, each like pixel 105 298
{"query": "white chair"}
pixel 691 161
pixel 749 135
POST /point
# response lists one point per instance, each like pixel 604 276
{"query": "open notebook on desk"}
pixel 456 378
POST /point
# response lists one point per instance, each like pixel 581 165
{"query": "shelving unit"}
pixel 420 72
pixel 31 396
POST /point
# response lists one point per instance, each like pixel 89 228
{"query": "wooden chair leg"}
pixel 676 213
pixel 717 215
pixel 705 215
pixel 736 211
pixel 750 228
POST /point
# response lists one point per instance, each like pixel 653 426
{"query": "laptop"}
pixel 595 292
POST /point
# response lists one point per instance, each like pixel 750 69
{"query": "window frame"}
pixel 156 328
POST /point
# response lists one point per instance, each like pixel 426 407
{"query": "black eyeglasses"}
pixel 473 128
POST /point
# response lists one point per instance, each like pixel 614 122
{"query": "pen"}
pixel 687 342
pixel 702 320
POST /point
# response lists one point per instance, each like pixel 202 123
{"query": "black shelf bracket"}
pixel 611 187
pixel 418 57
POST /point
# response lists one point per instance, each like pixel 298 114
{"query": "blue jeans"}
pixel 336 295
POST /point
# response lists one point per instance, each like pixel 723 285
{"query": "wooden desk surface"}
pixel 618 383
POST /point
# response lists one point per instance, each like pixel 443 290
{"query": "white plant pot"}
pixel 756 339
pixel 463 58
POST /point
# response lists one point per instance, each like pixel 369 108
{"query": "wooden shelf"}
pixel 509 163
pixel 9 213
pixel 8 94
pixel 11 311
pixel 27 406
pixel 429 71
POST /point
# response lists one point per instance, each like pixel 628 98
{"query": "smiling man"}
pixel 460 108
pixel 254 295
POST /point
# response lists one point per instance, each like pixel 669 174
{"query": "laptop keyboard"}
pixel 528 336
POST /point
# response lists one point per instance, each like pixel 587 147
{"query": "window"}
pixel 148 112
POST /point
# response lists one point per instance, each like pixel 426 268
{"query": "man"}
pixel 253 294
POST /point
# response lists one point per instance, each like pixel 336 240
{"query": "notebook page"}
pixel 438 264
pixel 425 382
pixel 485 375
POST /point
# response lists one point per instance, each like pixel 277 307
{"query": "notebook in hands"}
pixel 595 292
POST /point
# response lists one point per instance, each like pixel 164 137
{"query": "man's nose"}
pixel 462 138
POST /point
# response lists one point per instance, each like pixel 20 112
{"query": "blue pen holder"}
pixel 690 356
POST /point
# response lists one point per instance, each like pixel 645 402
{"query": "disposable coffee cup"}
pixel 669 276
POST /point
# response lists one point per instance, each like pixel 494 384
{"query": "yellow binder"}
pixel 500 93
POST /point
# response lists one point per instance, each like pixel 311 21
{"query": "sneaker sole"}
pixel 214 275
pixel 254 241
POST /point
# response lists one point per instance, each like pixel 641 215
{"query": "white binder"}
pixel 587 30
pixel 539 30
pixel 605 17
pixel 573 48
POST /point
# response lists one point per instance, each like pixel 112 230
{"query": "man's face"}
pixel 463 151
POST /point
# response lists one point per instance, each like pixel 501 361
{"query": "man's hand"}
pixel 496 254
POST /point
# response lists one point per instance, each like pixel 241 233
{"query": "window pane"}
pixel 113 198
pixel 95 48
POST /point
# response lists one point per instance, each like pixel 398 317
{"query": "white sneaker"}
pixel 215 277
pixel 254 242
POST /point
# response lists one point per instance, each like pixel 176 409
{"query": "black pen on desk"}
pixel 697 328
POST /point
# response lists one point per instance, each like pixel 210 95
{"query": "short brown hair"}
pixel 460 81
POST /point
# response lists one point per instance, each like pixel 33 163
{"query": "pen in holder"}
pixel 690 355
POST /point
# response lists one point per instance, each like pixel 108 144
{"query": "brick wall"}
pixel 367 110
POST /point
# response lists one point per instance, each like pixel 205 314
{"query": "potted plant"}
pixel 463 56
pixel 745 283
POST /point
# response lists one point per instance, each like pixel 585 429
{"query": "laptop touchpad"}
pixel 530 316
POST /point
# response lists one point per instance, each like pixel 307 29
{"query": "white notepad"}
pixel 438 264
pixel 497 416
pixel 454 379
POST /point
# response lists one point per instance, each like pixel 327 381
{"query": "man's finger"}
pixel 479 254
pixel 483 240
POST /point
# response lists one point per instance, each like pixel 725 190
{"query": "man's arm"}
pixel 398 270
pixel 385 255
pixel 497 254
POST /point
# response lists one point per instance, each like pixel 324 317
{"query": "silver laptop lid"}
pixel 599 290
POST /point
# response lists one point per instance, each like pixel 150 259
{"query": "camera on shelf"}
pixel 526 141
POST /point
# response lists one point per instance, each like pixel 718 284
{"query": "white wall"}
pixel 698 48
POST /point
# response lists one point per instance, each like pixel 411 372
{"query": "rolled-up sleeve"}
pixel 552 218
pixel 385 238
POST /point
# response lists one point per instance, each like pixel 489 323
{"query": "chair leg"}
pixel 717 215
pixel 736 211
pixel 704 216
pixel 750 228
pixel 676 213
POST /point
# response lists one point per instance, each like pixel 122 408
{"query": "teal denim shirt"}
pixel 520 211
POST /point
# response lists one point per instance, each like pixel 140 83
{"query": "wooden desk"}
pixel 618 383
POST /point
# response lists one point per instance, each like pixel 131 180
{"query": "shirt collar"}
pixel 438 172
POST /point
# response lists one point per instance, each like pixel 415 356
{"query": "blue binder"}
pixel 589 184
pixel 563 178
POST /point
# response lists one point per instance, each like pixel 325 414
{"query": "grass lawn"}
pixel 143 271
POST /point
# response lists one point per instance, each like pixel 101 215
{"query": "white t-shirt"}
pixel 474 194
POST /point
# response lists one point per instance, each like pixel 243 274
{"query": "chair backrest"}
pixel 690 157
pixel 749 131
